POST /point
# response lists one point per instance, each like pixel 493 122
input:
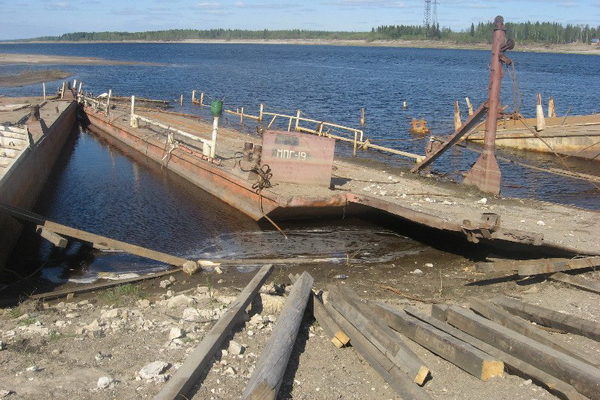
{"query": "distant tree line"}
pixel 527 32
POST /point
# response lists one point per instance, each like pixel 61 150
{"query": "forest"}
pixel 527 32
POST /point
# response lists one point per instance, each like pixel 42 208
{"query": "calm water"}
pixel 102 190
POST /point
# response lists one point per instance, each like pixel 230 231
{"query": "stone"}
pixel 190 267
pixel 417 272
pixel 172 279
pixel 165 284
pixel 190 315
pixel 230 371
pixel 153 369
pixel 429 265
pixel 179 300
pixel 5 393
pixel 218 270
pixel 2 345
pixel 34 368
pixel 111 314
pixel 143 303
pixel 235 348
pixel 105 382
pixel 272 304
pixel 175 333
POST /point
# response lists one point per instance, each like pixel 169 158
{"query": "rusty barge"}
pixel 32 134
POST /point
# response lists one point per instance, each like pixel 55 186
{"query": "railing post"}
pixel 297 121
pixel 355 137
pixel 62 90
pixel 44 89
pixel 193 96
pixel 133 121
pixel 242 116
pixel 202 98
pixel 260 113
pixel 108 102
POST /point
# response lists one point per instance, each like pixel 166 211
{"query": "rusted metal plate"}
pixel 298 157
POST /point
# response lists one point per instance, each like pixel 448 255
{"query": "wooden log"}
pixel 459 353
pixel 332 330
pixel 583 377
pixel 185 377
pixel 517 324
pixel 104 242
pixel 558 265
pixel 578 282
pixel 54 238
pixel 550 318
pixel 268 374
pixel 380 335
pixel 514 366
pixel 389 371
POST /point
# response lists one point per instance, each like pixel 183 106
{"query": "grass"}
pixel 123 294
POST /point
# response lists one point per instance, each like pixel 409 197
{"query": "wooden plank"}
pixel 583 377
pixel 558 265
pixel 515 366
pixel 551 318
pixel 576 281
pixel 185 377
pixel 461 354
pixel 517 324
pixel 54 238
pixel 104 242
pixel 389 371
pixel 268 373
pixel 379 334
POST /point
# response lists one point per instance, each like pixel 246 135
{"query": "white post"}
pixel 181 101
pixel 215 131
pixel 202 98
pixel 469 106
pixel 133 121
pixel 108 102
pixel 74 83
pixel 193 96
pixel 242 117
pixel 80 84
pixel 539 115
pixel 44 89
pixel 62 91
pixel 260 113
pixel 297 121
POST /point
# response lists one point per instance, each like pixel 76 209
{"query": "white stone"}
pixel 178 301
pixel 218 270
pixel 190 315
pixel 429 265
pixel 105 382
pixel 417 272
pixel 165 284
pixel 175 333
pixel 235 348
pixel 272 304
pixel 190 267
pixel 153 369
pixel 111 314
pixel 483 201
pixel 541 223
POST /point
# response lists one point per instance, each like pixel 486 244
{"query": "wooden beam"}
pixel 576 281
pixel 461 354
pixel 54 238
pixel 389 371
pixel 558 265
pixel 378 333
pixel 517 324
pixel 551 318
pixel 104 242
pixel 185 377
pixel 583 377
pixel 268 373
pixel 515 366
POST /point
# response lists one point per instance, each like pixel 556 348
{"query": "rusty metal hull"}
pixel 27 178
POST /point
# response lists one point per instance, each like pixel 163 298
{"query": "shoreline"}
pixel 573 48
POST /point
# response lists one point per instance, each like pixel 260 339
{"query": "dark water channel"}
pixel 100 189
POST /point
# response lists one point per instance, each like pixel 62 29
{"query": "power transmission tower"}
pixel 427 15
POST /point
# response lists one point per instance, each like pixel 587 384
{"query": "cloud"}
pixel 272 6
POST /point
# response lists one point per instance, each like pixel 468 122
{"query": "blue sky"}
pixel 32 18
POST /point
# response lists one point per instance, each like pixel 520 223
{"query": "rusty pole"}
pixel 485 173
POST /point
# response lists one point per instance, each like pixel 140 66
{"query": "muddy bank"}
pixel 30 77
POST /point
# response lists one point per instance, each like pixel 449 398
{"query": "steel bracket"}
pixel 489 223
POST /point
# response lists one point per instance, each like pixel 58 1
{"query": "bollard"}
pixel 551 109
pixel 181 101
pixel 469 106
pixel 404 105
pixel 457 120
pixel 362 117
pixel 540 122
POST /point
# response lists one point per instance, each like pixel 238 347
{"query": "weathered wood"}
pixel 389 371
pixel 268 373
pixel 517 324
pixel 104 242
pixel 576 281
pixel 54 238
pixel 182 381
pixel 379 334
pixel 515 366
pixel 438 311
pixel 551 318
pixel 461 354
pixel 583 377
pixel 558 265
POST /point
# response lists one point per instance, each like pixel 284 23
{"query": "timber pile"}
pixel 483 341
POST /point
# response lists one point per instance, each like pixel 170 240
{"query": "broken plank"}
pixel 461 354
pixel 268 373
pixel 583 377
pixel 101 241
pixel 515 366
pixel 379 334
pixel 389 371
pixel 558 265
pixel 186 376
pixel 576 281
pixel 54 238
pixel 551 318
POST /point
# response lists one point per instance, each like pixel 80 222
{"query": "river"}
pixel 100 189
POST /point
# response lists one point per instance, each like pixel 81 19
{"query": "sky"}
pixel 33 18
